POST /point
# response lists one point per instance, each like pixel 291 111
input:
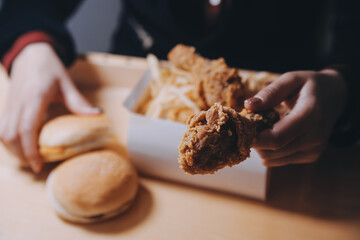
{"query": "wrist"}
pixel 336 81
pixel 34 58
pixel 346 130
pixel 21 43
pixel 33 50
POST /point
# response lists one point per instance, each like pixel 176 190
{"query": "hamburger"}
pixel 69 135
pixel 92 187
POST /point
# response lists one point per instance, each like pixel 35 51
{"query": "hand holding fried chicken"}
pixel 316 100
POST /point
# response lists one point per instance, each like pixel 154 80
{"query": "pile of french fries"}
pixel 172 90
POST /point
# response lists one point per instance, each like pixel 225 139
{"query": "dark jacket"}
pixel 277 35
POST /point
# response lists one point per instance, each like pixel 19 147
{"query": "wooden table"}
pixel 318 201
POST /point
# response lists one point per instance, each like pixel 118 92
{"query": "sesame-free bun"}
pixel 69 135
pixel 92 187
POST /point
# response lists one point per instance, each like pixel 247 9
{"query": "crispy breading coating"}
pixel 215 81
pixel 220 137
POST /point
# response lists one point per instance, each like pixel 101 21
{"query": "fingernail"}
pixel 94 110
pixel 253 102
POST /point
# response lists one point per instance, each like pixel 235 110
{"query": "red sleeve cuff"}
pixel 22 42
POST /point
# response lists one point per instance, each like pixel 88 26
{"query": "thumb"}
pixel 74 100
pixel 281 89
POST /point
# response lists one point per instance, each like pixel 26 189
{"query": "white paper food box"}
pixel 153 147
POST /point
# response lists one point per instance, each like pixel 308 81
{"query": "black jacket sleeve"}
pixel 18 17
pixel 345 54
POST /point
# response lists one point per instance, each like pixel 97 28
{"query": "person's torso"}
pixel 258 34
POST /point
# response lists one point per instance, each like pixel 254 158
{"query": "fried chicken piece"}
pixel 185 58
pixel 214 80
pixel 223 85
pixel 220 137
